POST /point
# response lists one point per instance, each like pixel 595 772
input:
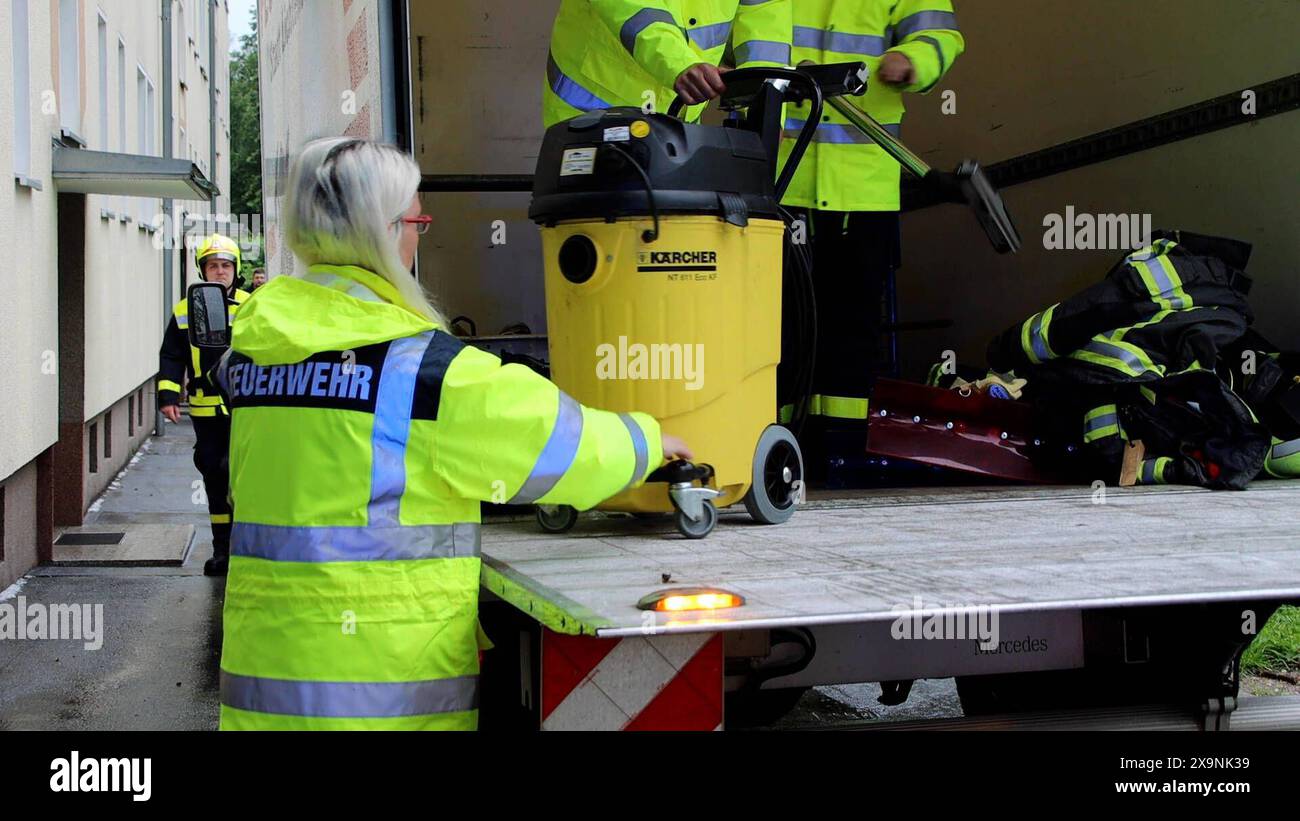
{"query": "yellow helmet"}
pixel 219 246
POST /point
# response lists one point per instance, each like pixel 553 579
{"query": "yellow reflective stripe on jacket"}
pixel 1111 351
pixel 1160 277
pixel 1034 337
pixel 837 407
pixel 168 385
pixel 1101 422
pixel 1283 459
pixel 1153 471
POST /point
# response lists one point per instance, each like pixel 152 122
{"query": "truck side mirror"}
pixel 209 320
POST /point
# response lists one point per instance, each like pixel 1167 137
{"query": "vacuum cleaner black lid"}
pixel 617 162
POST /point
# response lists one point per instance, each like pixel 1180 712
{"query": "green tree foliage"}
pixel 245 126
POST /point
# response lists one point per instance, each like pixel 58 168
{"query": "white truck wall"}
pixel 320 77
pixel 477 73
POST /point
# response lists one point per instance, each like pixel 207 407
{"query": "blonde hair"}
pixel 343 200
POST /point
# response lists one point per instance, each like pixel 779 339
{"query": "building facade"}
pixel 122 87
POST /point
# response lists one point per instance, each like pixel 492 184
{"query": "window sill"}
pixel 24 181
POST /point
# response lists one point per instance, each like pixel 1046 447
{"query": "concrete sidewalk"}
pixel 161 628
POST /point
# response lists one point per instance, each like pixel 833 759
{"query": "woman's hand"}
pixel 675 448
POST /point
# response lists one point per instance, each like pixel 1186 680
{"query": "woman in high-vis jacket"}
pixel 364 438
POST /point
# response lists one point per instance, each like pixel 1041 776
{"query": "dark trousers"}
pixel 853 256
pixel 212 458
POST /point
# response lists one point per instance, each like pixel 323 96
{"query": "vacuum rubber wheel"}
pixel 559 519
pixel 777 470
pixel 692 529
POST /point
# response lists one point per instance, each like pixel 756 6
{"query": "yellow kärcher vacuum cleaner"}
pixel 664 246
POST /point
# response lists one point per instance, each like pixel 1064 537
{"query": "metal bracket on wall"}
pixel 1271 98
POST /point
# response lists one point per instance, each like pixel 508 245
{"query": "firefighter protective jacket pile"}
pixel 1150 354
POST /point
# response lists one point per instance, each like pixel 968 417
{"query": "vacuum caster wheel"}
pixel 692 529
pixel 557 518
pixel 777 477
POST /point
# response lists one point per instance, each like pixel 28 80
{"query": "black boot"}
pixel 216 566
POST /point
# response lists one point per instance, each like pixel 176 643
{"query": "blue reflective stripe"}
pixel 569 90
pixel 1285 449
pixel 640 446
pixel 822 40
pixel 355 544
pixel 1038 340
pixel 349 699
pixel 1100 422
pixel 392 427
pixel 707 37
pixel 762 51
pixel 557 456
pixel 837 133
pixel 925 21
pixel 639 22
pixel 1149 472
pixel 755 2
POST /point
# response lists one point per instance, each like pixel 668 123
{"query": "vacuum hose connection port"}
pixel 578 259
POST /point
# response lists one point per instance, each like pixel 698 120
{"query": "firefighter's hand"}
pixel 895 69
pixel 171 412
pixel 700 83
pixel 675 448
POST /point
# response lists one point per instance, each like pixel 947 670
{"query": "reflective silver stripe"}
pixel 1100 422
pixel 183 321
pixel 707 37
pixel 1115 352
pixel 392 427
pixel 837 133
pixel 557 456
pixel 1160 271
pixel 569 90
pixel 639 445
pixel 1149 472
pixel 925 21
pixel 349 699
pixel 354 289
pixel 638 23
pixel 755 2
pixel 823 40
pixel 762 51
pixel 355 544
pixel 1285 449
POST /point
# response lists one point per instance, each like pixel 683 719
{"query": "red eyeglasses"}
pixel 421 223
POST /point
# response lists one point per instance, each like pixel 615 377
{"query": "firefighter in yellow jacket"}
pixel 217 260
pixel 607 53
pixel 849 187
pixel 365 437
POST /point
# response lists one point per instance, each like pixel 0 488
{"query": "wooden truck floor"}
pixel 860 557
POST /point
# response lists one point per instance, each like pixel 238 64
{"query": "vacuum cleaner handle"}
pixel 748 83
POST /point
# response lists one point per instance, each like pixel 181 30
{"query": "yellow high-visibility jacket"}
pixel 607 53
pixel 363 440
pixel 843 170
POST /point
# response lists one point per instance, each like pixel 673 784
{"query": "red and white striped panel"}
pixel 668 682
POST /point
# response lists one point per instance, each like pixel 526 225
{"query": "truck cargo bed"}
pixel 862 556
